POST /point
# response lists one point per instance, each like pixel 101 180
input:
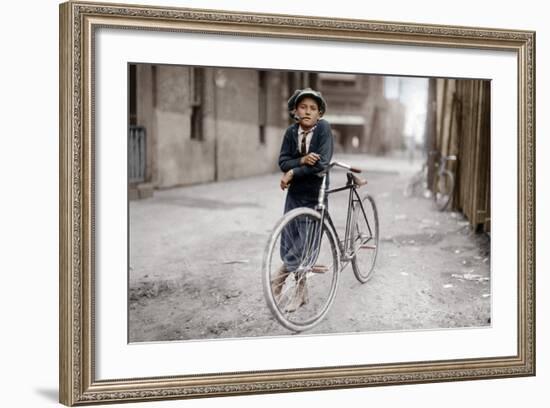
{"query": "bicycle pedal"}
pixel 319 269
pixel 367 246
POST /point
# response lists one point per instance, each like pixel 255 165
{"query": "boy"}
pixel 306 150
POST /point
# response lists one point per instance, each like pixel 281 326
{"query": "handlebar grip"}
pixel 344 166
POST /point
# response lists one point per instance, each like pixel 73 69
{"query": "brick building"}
pixel 364 118
pixel 190 125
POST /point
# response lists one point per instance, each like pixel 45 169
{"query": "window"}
pixel 339 81
pixel 132 95
pixel 196 88
pixel 262 104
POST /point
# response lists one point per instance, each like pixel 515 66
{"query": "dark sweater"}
pixel 305 182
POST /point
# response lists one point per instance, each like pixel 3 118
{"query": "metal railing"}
pixel 137 138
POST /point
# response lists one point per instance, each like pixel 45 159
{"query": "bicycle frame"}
pixel 354 199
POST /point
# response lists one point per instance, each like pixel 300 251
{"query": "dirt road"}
pixel 196 255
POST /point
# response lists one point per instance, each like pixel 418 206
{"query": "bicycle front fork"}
pixel 321 199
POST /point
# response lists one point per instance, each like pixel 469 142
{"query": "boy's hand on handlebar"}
pixel 310 159
pixel 285 180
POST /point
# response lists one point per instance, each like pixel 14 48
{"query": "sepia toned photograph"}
pixel 276 203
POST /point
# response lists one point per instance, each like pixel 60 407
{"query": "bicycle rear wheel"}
pixel 364 238
pixel 300 269
pixel 444 184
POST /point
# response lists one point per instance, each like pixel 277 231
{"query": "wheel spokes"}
pixel 311 271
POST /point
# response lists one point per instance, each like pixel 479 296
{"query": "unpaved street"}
pixel 196 255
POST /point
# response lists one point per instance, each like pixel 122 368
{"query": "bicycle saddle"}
pixel 358 180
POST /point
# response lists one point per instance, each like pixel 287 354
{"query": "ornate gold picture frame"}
pixel 79 23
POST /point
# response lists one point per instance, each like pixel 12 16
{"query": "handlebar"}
pixel 344 166
pixel 338 164
pixel 436 152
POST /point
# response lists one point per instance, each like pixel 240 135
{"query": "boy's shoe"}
pixel 278 282
pixel 300 297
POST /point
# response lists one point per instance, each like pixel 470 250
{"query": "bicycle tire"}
pixel 365 239
pixel 321 287
pixel 444 183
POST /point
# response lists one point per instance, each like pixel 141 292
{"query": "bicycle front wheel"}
pixel 300 269
pixel 364 238
pixel 443 189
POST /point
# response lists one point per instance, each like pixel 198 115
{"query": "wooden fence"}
pixel 461 126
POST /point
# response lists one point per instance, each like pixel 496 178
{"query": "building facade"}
pixel 191 125
pixel 363 117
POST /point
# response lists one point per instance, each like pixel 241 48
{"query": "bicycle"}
pixel 314 255
pixel 444 184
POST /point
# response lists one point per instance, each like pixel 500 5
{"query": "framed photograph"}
pixel 254 203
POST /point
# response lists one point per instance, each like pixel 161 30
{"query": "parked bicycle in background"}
pixel 442 188
pixel 444 183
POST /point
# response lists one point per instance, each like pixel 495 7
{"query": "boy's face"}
pixel 308 111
